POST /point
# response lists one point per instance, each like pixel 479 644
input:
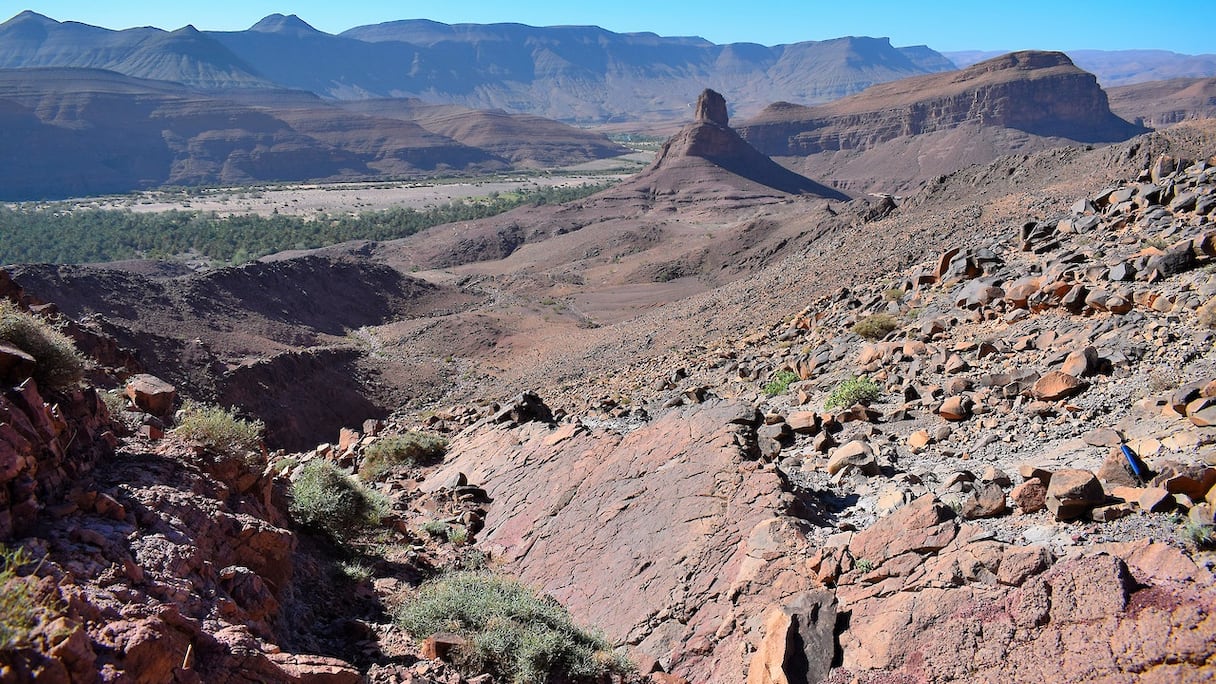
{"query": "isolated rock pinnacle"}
pixel 711 107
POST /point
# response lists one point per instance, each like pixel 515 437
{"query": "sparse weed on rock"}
pixel 409 449
pixel 875 327
pixel 327 500
pixel 780 382
pixel 18 612
pixel 219 429
pixel 512 632
pixel 858 390
pixel 58 364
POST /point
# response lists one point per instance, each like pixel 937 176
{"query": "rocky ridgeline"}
pixel 984 491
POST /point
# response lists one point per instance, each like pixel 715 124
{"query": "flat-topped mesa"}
pixel 711 108
pixel 1040 93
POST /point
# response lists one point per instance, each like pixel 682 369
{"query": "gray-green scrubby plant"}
pixel 18 611
pixel 876 326
pixel 513 633
pixel 219 429
pixel 780 382
pixel 58 365
pixel 408 449
pixel 857 390
pixel 325 499
pixel 1199 535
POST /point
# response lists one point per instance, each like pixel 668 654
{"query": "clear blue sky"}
pixel 1186 26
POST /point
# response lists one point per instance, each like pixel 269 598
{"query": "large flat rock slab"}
pixel 647 535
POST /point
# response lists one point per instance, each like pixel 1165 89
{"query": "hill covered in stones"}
pixel 849 441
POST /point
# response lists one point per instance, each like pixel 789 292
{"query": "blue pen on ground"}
pixel 1134 463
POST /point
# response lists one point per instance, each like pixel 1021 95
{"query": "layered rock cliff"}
pixel 1041 93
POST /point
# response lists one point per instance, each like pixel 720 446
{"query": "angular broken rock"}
pixel 1202 412
pixel 15 365
pixel 858 454
pixel 442 645
pixel 956 408
pixel 151 394
pixel 799 641
pixel 1081 362
pixel 1072 493
pixel 917 441
pixel 1056 385
pixel 804 422
pixel 525 408
pixel 924 525
pixel 986 501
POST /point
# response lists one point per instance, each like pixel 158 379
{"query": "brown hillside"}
pixel 1164 103
pixel 1023 101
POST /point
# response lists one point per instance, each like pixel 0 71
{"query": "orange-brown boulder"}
pixel 1056 385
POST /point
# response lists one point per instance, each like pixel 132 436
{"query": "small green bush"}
pixel 513 633
pixel 18 612
pixel 435 528
pixel 58 365
pixel 327 500
pixel 893 294
pixel 409 449
pixel 780 382
pixel 864 565
pixel 1199 535
pixel 875 327
pixel 219 429
pixel 858 390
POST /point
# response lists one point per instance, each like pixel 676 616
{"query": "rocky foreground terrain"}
pixel 869 440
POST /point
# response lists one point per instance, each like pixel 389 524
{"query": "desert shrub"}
pixel 219 429
pixel 858 390
pixel 864 565
pixel 512 632
pixel 325 499
pixel 876 326
pixel 17 608
pixel 1199 535
pixel 435 528
pixel 58 365
pixel 893 294
pixel 409 449
pixel 1207 314
pixel 780 382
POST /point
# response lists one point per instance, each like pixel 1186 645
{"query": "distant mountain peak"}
pixel 279 23
pixel 30 16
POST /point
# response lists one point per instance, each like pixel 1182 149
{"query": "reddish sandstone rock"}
pixel 799 641
pixel 1030 496
pixel 956 408
pixel 1056 385
pixel 442 646
pixel 1072 493
pixel 674 508
pixel 923 525
pixel 314 669
pixel 151 394
pixel 855 454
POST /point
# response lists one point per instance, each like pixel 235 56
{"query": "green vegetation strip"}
pixel 54 235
